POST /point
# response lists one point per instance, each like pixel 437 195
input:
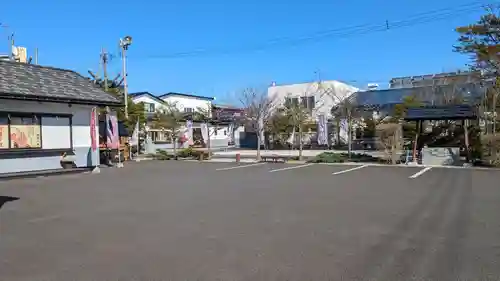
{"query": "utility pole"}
pixel 125 85
pixel 124 44
pixel 104 61
pixel 11 46
pixel 36 55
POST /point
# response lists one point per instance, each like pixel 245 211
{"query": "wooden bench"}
pixel 274 158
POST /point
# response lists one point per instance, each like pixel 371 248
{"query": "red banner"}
pixel 93 136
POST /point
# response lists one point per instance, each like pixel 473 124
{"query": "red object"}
pixel 93 138
pixel 238 157
pixel 182 139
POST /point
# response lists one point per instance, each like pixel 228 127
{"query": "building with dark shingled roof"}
pixel 45 113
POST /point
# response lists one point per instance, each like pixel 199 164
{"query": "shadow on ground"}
pixel 5 199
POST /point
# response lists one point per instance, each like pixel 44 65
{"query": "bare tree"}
pixel 169 118
pixel 258 108
pixel 298 116
pixel 491 148
pixel 204 114
pixel 390 140
pixel 343 109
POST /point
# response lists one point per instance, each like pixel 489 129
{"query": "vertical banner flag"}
pixel 134 140
pixel 231 133
pixel 322 130
pixel 93 131
pixel 113 140
pixel 204 132
pixel 189 127
pixel 291 139
pixel 261 129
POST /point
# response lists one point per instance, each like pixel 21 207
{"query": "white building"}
pixel 318 97
pixel 219 134
pixel 45 116
pixel 185 102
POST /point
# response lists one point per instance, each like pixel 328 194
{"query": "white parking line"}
pixel 350 170
pixel 419 173
pixel 238 167
pixel 44 219
pixel 292 167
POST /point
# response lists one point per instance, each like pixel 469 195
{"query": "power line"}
pixel 337 33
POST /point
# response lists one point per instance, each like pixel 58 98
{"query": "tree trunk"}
pixel 300 142
pixel 208 141
pixel 174 141
pixel 349 135
pixel 466 139
pixel 258 146
pixel 395 147
pixel 495 95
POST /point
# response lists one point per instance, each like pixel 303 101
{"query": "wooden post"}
pixel 466 140
pixel 415 141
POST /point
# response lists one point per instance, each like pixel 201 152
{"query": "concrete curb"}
pixel 296 162
pixel 47 173
pixel 408 166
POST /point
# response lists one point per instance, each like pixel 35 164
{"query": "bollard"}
pixel 238 157
pixel 201 156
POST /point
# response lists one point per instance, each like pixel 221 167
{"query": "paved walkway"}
pixel 305 153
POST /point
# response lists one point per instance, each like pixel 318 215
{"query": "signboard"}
pixel 4 132
pixel 25 132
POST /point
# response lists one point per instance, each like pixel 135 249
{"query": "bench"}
pixel 274 158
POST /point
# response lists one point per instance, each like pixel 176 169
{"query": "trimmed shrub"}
pixel 331 157
pixel 162 155
pixel 185 153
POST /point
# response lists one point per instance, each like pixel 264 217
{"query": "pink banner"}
pixel 113 140
pixel 93 136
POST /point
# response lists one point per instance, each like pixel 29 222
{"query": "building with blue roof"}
pixel 439 89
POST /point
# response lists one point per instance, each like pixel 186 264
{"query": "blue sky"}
pixel 70 34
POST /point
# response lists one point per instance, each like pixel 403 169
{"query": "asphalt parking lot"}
pixel 218 221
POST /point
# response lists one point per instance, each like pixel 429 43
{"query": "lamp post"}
pixel 124 44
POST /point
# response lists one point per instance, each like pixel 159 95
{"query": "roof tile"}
pixel 22 80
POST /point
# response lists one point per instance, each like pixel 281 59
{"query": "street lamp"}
pixel 124 44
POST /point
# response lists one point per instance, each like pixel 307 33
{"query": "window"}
pixel 188 110
pixel 289 102
pixel 160 136
pixel 303 102
pixel 25 132
pixel 149 107
pixel 311 102
pixel 307 103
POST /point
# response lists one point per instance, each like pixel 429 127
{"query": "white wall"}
pixel 56 132
pixel 54 135
pixel 81 121
pixel 189 102
pixel 182 102
pixel 147 99
pixel 327 94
